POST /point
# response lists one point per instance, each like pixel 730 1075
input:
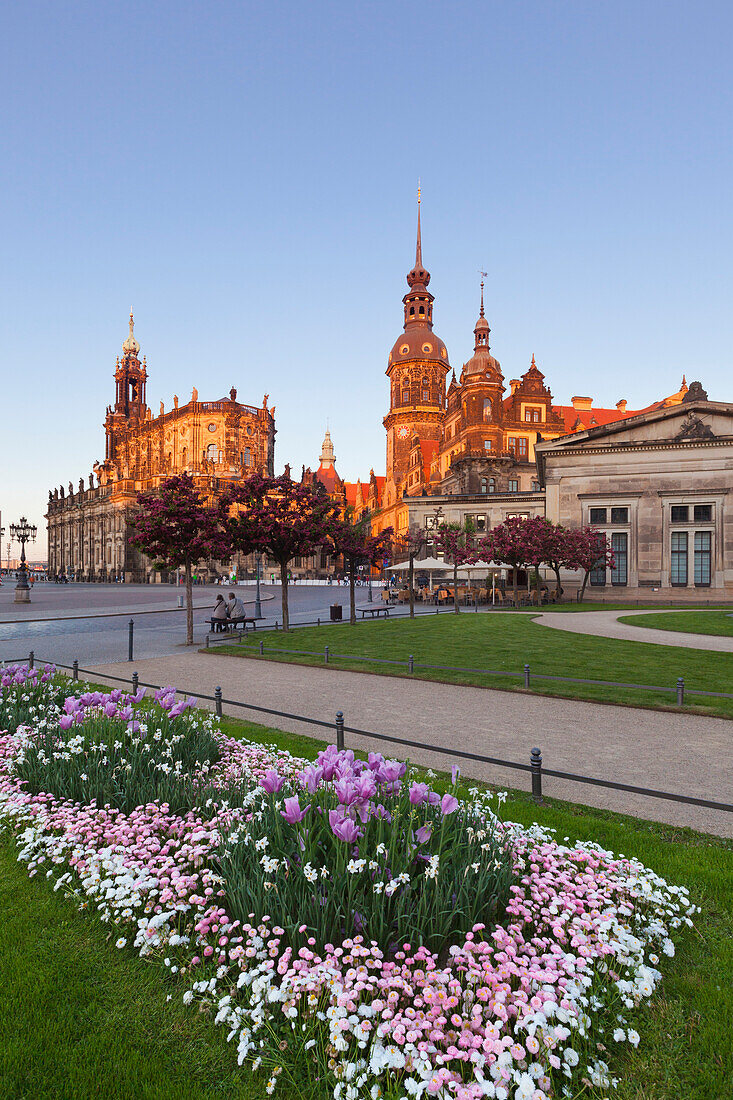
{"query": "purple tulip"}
pixel 110 709
pixel 71 704
pixel 345 791
pixel 125 714
pixel 448 805
pixel 423 834
pixel 365 786
pixel 419 793
pixel 271 782
pixel 292 812
pixel 66 721
pixel 455 772
pixel 343 827
pixel 311 777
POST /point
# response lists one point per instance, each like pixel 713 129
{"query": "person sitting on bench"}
pixel 235 609
pixel 219 615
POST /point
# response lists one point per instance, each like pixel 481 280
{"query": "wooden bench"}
pixel 376 610
pixel 231 625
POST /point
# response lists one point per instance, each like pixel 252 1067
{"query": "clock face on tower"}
pixel 403 433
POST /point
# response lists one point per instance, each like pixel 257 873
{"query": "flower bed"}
pixel 358 934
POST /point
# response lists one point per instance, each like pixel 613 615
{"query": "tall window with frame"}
pixel 522 447
pixel 703 558
pixel 620 547
pixel 597 575
pixel 678 570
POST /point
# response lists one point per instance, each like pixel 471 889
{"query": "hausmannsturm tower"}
pixel 417 367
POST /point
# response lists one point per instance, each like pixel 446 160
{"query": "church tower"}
pixel 131 378
pixel 417 366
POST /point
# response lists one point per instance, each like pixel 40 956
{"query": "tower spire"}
pixel 418 249
pixel 483 275
pixel 131 346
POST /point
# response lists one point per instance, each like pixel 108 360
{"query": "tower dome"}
pixel 131 346
pixel 482 362
pixel 418 340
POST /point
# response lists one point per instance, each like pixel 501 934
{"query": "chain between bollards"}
pixel 680 691
pixel 130 636
pixel 340 730
pixel 526 676
pixel 535 762
pixel 75 670
pixel 217 701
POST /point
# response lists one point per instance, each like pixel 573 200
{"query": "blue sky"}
pixel 244 175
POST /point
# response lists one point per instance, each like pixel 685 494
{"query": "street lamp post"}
pixel 23 532
pixel 258 604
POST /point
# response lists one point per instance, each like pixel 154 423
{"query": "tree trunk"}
pixel 284 594
pixel 558 590
pixel 514 585
pixel 352 591
pixel 189 604
pixel 537 583
pixel 585 581
pixel 456 608
pixel 411 576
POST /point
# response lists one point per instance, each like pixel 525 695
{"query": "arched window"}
pixel 247 456
pixel 212 452
pixel 492 485
pixel 405 394
pixel 422 311
pixel 412 311
pixel 484 484
pixel 488 410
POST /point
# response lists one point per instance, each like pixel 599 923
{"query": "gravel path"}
pixel 605 624
pixel 685 754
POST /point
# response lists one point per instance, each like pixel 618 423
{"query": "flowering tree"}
pixel 510 544
pixel 354 543
pixel 176 528
pixel 587 548
pixel 410 544
pixel 453 540
pixel 281 518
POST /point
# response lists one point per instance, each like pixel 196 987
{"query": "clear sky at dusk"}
pixel 244 175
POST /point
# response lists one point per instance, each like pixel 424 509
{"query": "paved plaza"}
pixel 605 624
pixel 90 621
pixel 680 753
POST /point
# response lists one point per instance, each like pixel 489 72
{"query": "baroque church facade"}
pixel 216 442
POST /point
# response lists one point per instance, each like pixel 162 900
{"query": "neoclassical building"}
pixel 217 442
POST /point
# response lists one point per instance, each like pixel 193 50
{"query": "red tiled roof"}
pixel 351 487
pixel 590 418
pixel 327 477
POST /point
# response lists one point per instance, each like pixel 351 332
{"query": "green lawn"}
pixel 719 623
pixel 80 1019
pixel 505 643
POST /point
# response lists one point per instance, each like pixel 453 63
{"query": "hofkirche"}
pixel 217 442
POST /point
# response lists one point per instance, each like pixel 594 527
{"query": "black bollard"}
pixel 31 659
pixel 340 730
pixel 526 676
pixel 680 691
pixel 217 699
pixel 535 762
pixel 75 670
pixel 135 683
pixel 130 636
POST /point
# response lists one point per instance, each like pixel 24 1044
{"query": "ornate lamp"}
pixel 23 532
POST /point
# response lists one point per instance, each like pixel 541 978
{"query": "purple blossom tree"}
pixel 587 548
pixel 357 546
pixel 175 527
pixel 453 541
pixel 410 544
pixel 280 517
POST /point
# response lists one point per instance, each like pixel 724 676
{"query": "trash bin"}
pixel 336 610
